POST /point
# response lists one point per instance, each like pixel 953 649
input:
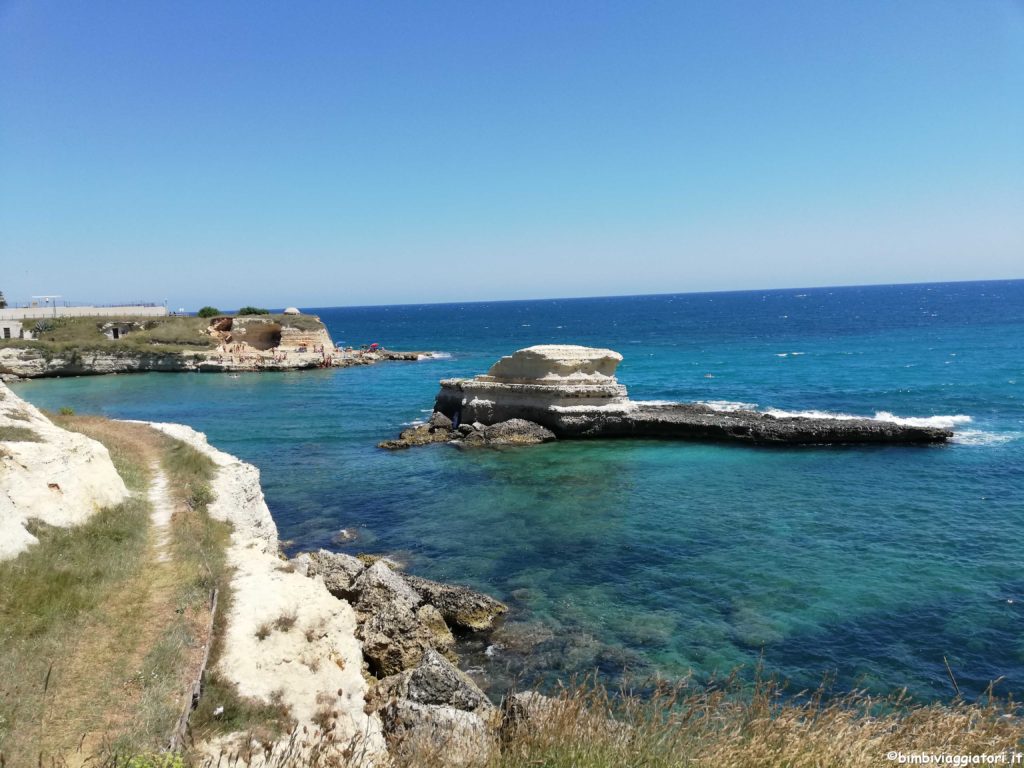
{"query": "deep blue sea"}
pixel 866 565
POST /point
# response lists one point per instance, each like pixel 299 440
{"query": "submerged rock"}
pixel 461 607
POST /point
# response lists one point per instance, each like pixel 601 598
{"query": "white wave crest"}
pixel 939 422
pixel 727 406
pixel 980 437
pixel 942 422
pixel 435 356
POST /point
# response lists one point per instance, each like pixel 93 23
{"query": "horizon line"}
pixel 667 293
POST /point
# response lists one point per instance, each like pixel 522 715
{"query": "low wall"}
pixel 25 313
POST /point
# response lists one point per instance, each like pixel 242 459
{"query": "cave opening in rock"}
pixel 262 336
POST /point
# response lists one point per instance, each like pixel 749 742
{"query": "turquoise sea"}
pixel 867 565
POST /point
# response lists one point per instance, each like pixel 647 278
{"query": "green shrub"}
pixel 253 311
pixel 208 312
pixel 66 411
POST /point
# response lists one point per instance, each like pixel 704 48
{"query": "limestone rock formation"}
pixel 313 669
pixel 435 709
pixel 436 735
pixel 49 474
pixel 532 381
pixel 572 391
pixel 339 571
pixel 397 635
pixel 379 587
pixel 461 607
pixel 435 681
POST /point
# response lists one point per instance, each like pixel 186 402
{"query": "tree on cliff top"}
pixel 3 301
pixel 253 311
pixel 208 312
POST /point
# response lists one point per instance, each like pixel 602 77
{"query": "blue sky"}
pixel 383 152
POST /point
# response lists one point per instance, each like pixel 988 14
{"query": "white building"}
pixel 13 329
pixel 39 312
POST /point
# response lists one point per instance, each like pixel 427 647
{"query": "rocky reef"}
pixel 564 391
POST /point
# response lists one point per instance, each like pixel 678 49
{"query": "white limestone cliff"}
pixel 535 380
pixel 55 476
pixel 315 665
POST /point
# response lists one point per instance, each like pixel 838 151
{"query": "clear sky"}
pixel 322 153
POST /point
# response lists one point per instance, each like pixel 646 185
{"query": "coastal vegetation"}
pixel 18 435
pixel 102 625
pixel 585 725
pixel 247 310
pixel 208 311
pixel 149 334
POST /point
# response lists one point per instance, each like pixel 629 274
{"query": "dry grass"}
pixel 678 726
pixel 18 435
pixel 85 333
pixel 99 638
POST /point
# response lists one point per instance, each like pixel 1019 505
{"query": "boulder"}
pixel 338 571
pixel 436 681
pixel 435 631
pixel 396 637
pixel 439 421
pixel 525 710
pixel 378 587
pixel 517 432
pixel 421 434
pixel 461 607
pixel 436 735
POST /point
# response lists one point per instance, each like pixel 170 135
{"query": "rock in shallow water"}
pixel 517 432
pixel 461 607
pixel 396 637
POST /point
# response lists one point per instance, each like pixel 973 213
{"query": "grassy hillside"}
pixel 157 335
pixel 100 634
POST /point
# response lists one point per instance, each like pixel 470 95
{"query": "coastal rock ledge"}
pixel 571 392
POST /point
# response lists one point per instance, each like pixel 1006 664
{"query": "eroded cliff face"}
pixel 315 663
pixel 533 383
pixel 49 474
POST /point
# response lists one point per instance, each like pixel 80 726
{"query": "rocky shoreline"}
pixel 549 392
pixel 369 657
pixel 408 626
pixel 18 363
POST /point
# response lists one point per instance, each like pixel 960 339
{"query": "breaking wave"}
pixel 727 406
pixel 939 422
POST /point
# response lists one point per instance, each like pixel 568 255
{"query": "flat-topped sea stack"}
pixel 572 391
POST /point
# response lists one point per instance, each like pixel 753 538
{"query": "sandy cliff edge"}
pixel 310 675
